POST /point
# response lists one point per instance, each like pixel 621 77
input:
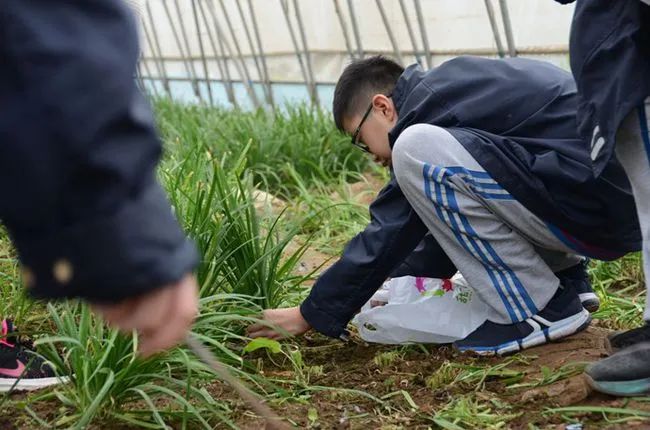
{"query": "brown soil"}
pixel 353 366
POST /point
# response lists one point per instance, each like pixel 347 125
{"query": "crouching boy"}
pixel 485 157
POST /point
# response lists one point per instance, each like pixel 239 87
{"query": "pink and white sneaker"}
pixel 21 368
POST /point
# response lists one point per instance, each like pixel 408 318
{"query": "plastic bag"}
pixel 421 310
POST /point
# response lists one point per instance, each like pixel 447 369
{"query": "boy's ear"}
pixel 384 105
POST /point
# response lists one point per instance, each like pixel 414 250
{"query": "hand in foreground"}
pixel 161 317
pixel 279 324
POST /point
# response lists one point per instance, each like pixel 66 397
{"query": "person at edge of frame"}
pixel 78 151
pixel 610 60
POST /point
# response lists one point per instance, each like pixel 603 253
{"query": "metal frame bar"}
pixel 265 69
pixel 344 28
pixel 527 50
pixel 159 49
pixel 155 48
pixel 310 72
pixel 495 28
pixel 411 33
pixel 285 10
pixel 201 48
pixel 240 56
pixel 188 49
pixel 223 43
pixel 355 28
pixel 389 31
pixel 249 39
pixel 138 77
pixel 507 26
pixel 423 33
pixel 180 47
pixel 148 71
pixel 219 59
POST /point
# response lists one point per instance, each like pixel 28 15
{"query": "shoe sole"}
pixel 635 387
pixel 10 384
pixel 563 328
pixel 590 301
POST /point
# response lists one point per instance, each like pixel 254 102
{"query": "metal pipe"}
pixel 507 26
pixel 244 66
pixel 143 62
pixel 180 46
pixel 203 60
pixel 226 47
pixel 285 10
pixel 219 59
pixel 411 33
pixel 344 29
pixel 265 69
pixel 527 50
pixel 152 48
pixel 249 39
pixel 154 32
pixel 355 29
pixel 188 49
pixel 310 71
pixel 138 78
pixel 495 28
pixel 391 36
pixel 423 33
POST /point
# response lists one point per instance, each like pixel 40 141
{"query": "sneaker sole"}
pixel 563 328
pixel 10 384
pixel 635 387
pixel 590 301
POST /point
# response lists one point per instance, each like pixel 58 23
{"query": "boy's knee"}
pixel 416 143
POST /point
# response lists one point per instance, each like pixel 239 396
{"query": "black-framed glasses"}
pixel 355 135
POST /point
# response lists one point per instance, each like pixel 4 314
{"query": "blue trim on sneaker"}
pixel 635 387
pixel 557 330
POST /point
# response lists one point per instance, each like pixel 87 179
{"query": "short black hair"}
pixel 360 80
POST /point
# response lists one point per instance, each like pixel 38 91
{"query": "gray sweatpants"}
pixel 507 254
pixel 633 151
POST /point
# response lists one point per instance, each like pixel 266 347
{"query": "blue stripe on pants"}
pixel 498 265
pixel 481 183
pixel 497 260
pixel 459 238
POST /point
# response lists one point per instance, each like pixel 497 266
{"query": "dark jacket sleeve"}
pixel 427 260
pixel 394 231
pixel 78 152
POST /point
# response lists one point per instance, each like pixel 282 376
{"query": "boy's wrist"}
pixel 321 321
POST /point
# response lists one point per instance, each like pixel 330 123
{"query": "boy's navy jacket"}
pixel 78 152
pixel 517 119
pixel 610 60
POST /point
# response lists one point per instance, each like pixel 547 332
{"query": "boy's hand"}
pixel 287 322
pixel 161 317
